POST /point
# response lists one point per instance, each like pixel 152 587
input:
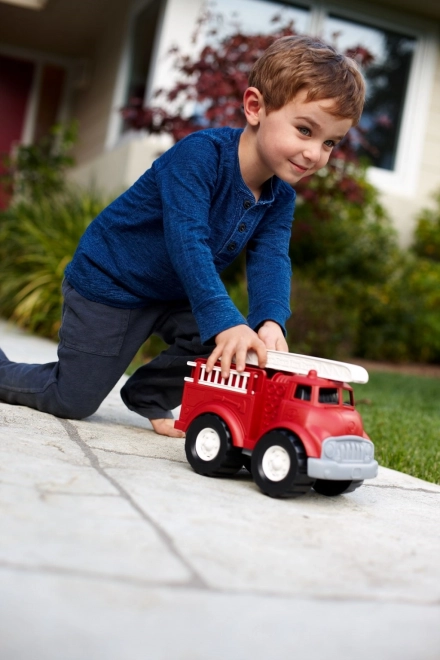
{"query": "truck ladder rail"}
pixel 302 364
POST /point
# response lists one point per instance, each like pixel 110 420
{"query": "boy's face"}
pixel 297 140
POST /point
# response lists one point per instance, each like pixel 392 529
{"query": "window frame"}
pixel 402 180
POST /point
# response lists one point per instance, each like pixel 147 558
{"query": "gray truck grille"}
pixel 349 449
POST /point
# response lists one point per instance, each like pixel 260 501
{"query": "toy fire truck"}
pixel 293 425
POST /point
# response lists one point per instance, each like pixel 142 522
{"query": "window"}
pixel 256 16
pixel 328 395
pixel 387 82
pixel 303 392
pixel 347 397
pixel 398 79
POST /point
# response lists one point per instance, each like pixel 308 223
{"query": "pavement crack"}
pixel 127 453
pixel 45 494
pixel 409 490
pixel 195 580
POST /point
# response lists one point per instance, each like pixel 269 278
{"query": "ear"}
pixel 253 105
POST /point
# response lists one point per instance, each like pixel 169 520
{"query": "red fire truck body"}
pixel 293 432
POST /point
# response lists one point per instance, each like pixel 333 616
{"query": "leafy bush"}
pixel 427 233
pixel 343 245
pixel 38 170
pixel 401 319
pixel 401 316
pixel 341 231
pixel 321 324
pixel 37 240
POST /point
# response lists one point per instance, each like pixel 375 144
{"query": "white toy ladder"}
pixel 302 364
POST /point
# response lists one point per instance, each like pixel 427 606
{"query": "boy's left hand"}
pixel 272 336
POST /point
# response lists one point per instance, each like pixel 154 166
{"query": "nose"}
pixel 312 151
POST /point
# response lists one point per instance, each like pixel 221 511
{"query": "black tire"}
pixel 332 488
pixel 247 462
pixel 279 465
pixel 209 448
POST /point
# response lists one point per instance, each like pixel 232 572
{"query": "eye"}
pixel 330 143
pixel 304 131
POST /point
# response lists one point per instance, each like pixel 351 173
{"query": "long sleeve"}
pixel 268 264
pixel 187 184
pixel 171 234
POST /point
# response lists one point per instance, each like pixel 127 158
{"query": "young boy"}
pixel 150 262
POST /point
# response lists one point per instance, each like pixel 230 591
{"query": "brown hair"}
pixel 299 62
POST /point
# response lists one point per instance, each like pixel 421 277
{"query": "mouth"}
pixel 299 169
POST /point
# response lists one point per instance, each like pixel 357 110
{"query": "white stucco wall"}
pixel 93 104
pixel 115 170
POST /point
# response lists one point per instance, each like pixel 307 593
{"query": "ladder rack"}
pixel 302 364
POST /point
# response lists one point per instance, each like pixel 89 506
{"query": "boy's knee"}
pixel 74 409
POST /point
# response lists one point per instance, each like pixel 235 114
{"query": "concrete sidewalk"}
pixel 112 547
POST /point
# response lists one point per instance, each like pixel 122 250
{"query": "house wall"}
pixel 430 171
pixel 404 208
pixel 115 170
pixel 93 102
pixel 105 159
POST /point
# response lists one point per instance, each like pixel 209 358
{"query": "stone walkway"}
pixel 112 547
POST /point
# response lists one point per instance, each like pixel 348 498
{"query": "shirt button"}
pixel 242 227
pixel 247 203
pixel 232 246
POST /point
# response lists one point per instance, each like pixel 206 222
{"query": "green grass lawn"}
pixel 401 415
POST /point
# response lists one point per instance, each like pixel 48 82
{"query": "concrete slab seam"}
pixel 196 580
pixel 181 586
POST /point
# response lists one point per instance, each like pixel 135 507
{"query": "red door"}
pixel 15 86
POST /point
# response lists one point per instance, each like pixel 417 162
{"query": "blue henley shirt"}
pixel 179 225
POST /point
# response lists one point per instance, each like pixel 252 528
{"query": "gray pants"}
pixel 97 343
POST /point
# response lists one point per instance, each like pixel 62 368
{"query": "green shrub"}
pixel 37 241
pixel 423 290
pixel 401 317
pixel 427 232
pixel 342 233
pixel 38 170
pixel 321 324
pixel 344 251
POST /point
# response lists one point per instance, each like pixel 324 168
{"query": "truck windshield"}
pixel 328 395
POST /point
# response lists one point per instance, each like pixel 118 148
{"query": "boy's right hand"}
pixel 236 342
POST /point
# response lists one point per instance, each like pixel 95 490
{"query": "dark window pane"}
pixel 303 392
pixel 387 80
